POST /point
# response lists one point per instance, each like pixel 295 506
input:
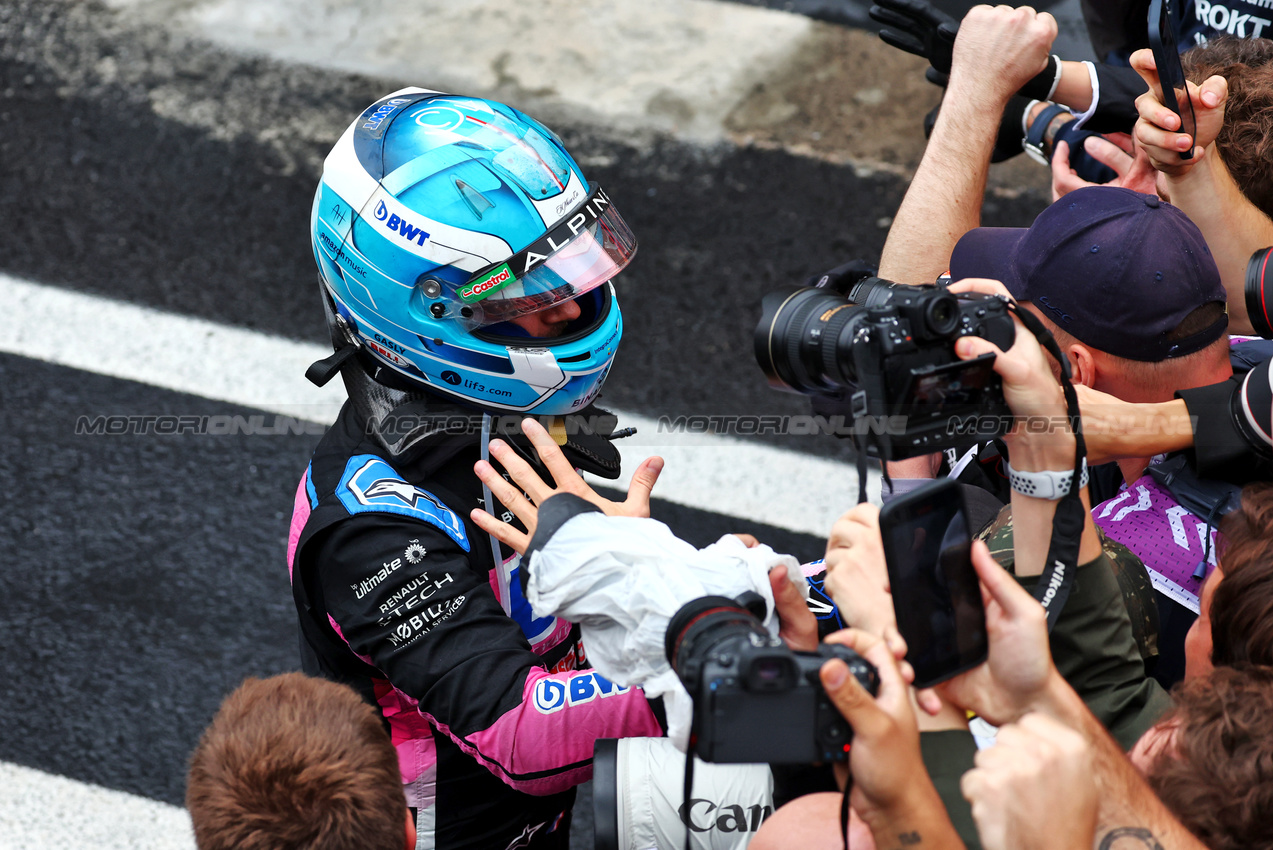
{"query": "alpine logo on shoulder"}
pixel 370 484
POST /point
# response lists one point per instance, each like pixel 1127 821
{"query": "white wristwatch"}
pixel 1048 484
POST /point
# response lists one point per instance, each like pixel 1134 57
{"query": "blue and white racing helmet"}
pixel 438 221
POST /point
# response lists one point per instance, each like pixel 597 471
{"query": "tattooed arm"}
pixel 1130 816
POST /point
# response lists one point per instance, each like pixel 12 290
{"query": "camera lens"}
pixel 800 341
pixel 1258 297
pixel 698 627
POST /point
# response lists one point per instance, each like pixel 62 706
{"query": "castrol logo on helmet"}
pixel 487 284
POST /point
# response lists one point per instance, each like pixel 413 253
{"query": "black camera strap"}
pixel 1057 579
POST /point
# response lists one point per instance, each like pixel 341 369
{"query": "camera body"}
pixel 883 354
pixel 755 700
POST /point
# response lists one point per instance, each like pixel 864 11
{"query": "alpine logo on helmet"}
pixel 594 206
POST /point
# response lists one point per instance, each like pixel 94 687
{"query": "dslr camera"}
pixel 883 354
pixel 755 700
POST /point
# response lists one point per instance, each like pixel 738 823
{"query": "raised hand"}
pixel 526 483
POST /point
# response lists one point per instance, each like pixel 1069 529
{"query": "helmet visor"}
pixel 589 247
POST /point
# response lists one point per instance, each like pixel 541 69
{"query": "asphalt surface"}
pixel 145 576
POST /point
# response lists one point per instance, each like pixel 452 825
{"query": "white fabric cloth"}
pixel 728 804
pixel 622 579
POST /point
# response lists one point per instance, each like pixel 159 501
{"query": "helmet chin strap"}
pixel 501 577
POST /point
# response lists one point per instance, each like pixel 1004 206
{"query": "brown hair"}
pixel 1242 605
pixel 292 763
pixel 1215 774
pixel 1245 142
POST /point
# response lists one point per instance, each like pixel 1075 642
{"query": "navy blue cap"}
pixel 1115 269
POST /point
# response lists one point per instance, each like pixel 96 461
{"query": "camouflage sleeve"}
pixel 1134 586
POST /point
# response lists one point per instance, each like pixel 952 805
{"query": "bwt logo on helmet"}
pixel 552 695
pixel 487 284
pixel 375 119
pixel 400 226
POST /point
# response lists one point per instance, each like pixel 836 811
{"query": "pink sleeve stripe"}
pixel 300 516
pixel 544 745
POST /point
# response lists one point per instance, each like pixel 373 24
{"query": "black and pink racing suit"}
pixel 492 715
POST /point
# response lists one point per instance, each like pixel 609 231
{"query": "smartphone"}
pixel 936 595
pixel 1164 40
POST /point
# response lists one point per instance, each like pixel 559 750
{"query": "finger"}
pixel 1123 140
pixel 1015 601
pixel 1214 91
pixel 749 540
pixel 798 625
pixel 850 698
pixel 966 348
pixel 970 785
pixel 929 701
pixel 866 515
pixel 508 495
pixel 855 639
pixel 550 453
pixel 1142 61
pixel 1049 23
pixel 902 41
pixel 520 471
pixel 892 19
pixel 1064 179
pixel 501 531
pixel 643 481
pixel 981 285
pixel 1153 137
pixel 1160 145
pixel 896 643
pixel 1153 110
pixel 1108 153
pixel 1159 113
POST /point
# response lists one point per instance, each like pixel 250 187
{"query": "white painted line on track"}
pixel 41 811
pixel 722 474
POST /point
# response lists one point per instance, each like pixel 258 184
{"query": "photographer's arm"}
pixel 1019 677
pixel 1129 810
pixel 1011 788
pixel 1202 186
pixel 1036 400
pixel 998 50
pixel 1223 425
pixel 1114 429
pixel 1233 226
pixel 892 791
